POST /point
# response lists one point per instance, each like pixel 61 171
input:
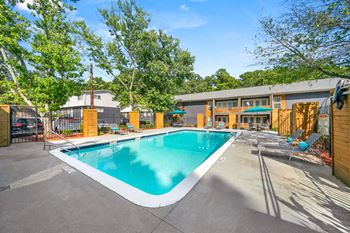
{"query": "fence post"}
pixel 5 138
pixel 134 119
pixel 231 120
pixel 159 120
pixel 200 120
pixel 90 128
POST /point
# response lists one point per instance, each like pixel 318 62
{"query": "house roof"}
pixel 98 91
pixel 291 88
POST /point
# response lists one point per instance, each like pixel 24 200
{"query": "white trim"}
pixel 138 196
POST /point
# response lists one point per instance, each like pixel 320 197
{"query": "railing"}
pixel 61 137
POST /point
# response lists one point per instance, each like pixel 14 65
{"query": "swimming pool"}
pixel 151 170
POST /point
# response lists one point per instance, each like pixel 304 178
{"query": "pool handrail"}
pixel 63 138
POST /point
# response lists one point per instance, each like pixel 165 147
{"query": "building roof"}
pixel 292 88
pixel 97 91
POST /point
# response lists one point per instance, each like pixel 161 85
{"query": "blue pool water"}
pixel 154 164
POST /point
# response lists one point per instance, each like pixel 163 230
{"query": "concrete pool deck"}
pixel 242 192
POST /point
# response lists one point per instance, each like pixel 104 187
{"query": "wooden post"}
pixel 159 120
pixel 200 120
pixel 90 128
pixel 5 138
pixel 231 120
pixel 91 88
pixel 134 119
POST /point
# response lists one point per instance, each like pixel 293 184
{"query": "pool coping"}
pixel 138 196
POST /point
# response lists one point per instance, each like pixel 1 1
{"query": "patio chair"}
pixel 209 125
pixel 221 125
pixel 177 124
pixel 114 129
pixel 288 149
pixel 132 129
pixel 280 141
pixel 251 126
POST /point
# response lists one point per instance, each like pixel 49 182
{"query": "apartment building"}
pixel 107 109
pixel 219 105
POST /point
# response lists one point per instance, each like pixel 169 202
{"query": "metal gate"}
pixel 25 124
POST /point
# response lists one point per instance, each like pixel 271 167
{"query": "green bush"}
pixel 67 132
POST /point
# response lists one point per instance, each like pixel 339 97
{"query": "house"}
pixel 217 106
pixel 108 110
pixel 145 115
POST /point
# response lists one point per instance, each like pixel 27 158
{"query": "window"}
pixel 222 119
pixel 248 103
pixel 227 104
pixel 277 102
pixel 264 102
pixel 255 102
pixel 97 97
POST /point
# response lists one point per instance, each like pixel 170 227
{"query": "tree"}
pixel 166 66
pixel 278 76
pixel 314 33
pixel 194 84
pixel 42 64
pixel 148 66
pixel 222 80
pixel 121 56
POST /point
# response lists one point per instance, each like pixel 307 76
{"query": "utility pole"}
pixel 91 88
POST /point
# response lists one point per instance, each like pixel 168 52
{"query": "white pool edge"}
pixel 135 195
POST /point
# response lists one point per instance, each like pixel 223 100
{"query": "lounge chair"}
pixel 116 130
pixel 251 126
pixel 132 129
pixel 289 149
pixel 280 141
pixel 177 124
pixel 221 125
pixel 209 125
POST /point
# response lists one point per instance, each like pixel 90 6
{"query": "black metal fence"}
pixel 25 124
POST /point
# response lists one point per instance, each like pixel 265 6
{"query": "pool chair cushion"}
pixel 303 146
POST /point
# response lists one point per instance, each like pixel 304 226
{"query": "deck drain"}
pixel 68 169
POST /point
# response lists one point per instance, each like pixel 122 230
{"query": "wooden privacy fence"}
pixel 341 141
pixel 5 125
pixel 284 122
pixel 304 117
pixel 301 116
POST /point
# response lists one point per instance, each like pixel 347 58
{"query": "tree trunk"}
pixel 46 116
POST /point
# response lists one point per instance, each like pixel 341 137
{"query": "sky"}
pixel 219 33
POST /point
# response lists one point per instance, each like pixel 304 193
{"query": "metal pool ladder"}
pixel 63 138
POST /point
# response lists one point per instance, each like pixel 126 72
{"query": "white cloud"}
pixel 198 0
pixel 23 5
pixel 174 20
pixel 184 7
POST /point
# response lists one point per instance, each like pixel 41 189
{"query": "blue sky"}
pixel 217 32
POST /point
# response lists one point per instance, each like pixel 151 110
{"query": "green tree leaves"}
pixel 314 33
pixel 148 66
pixel 42 61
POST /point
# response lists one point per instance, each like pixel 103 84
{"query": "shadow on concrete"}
pixel 216 206
pixel 331 199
